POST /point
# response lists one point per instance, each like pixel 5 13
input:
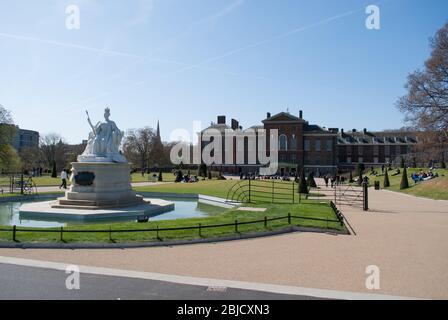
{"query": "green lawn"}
pixel 433 189
pixel 306 210
pixel 319 211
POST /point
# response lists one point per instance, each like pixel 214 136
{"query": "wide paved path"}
pixel 404 236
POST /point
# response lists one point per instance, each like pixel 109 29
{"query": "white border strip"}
pixel 205 282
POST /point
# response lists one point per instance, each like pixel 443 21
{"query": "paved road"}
pixel 19 282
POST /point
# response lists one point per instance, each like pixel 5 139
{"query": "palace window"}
pixel 329 145
pixel 283 142
pixel 307 145
pixel 317 145
pixel 293 144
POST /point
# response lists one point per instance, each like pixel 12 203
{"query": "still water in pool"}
pixel 184 208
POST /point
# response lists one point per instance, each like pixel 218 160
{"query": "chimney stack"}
pixel 268 115
pixel 365 131
pixel 221 119
pixel 301 114
pixel 342 131
pixel 235 124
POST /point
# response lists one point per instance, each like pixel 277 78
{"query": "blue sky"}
pixel 182 60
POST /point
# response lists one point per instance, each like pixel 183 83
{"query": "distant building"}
pixel 23 139
pixel 315 148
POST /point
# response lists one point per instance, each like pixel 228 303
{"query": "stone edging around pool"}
pixel 241 236
pixel 214 201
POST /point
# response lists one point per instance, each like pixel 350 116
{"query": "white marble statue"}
pixel 104 142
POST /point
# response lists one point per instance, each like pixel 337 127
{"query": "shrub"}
pixel 311 182
pixel 179 176
pixel 54 173
pixel 404 184
pixel 403 163
pixel 386 179
pixel 443 165
pixel 350 179
pixel 202 170
pixel 302 183
pixel 160 179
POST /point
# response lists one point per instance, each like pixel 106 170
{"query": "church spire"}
pixel 158 130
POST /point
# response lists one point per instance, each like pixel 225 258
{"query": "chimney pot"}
pixel 268 115
pixel 301 114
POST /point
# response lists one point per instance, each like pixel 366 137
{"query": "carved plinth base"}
pixel 99 185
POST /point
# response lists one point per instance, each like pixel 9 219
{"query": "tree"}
pixel 210 174
pixel 138 146
pixel 426 103
pixel 404 184
pixel 9 160
pixel 54 151
pixel 443 165
pixel 303 188
pixel 386 179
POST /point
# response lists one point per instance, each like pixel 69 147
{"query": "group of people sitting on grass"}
pixel 424 176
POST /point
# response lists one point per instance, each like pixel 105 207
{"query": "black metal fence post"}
pixel 14 230
pixel 62 232
pixel 365 194
pixel 265 222
pixel 110 233
pixel 200 231
pixel 236 226
pixel 293 194
pixel 289 218
pixel 249 191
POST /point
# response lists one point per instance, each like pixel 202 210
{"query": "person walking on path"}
pixel 326 178
pixel 64 179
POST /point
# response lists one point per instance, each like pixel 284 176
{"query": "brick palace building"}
pixel 317 149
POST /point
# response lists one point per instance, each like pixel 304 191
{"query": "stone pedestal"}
pixel 99 185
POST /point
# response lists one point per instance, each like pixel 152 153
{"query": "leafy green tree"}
pixel 404 184
pixel 386 179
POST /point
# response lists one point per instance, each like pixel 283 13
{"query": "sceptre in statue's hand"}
pixel 90 123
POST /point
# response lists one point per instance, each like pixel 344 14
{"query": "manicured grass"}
pixel 307 210
pixel 44 181
pixel 167 177
pixel 433 189
pixel 217 188
pixel 315 211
